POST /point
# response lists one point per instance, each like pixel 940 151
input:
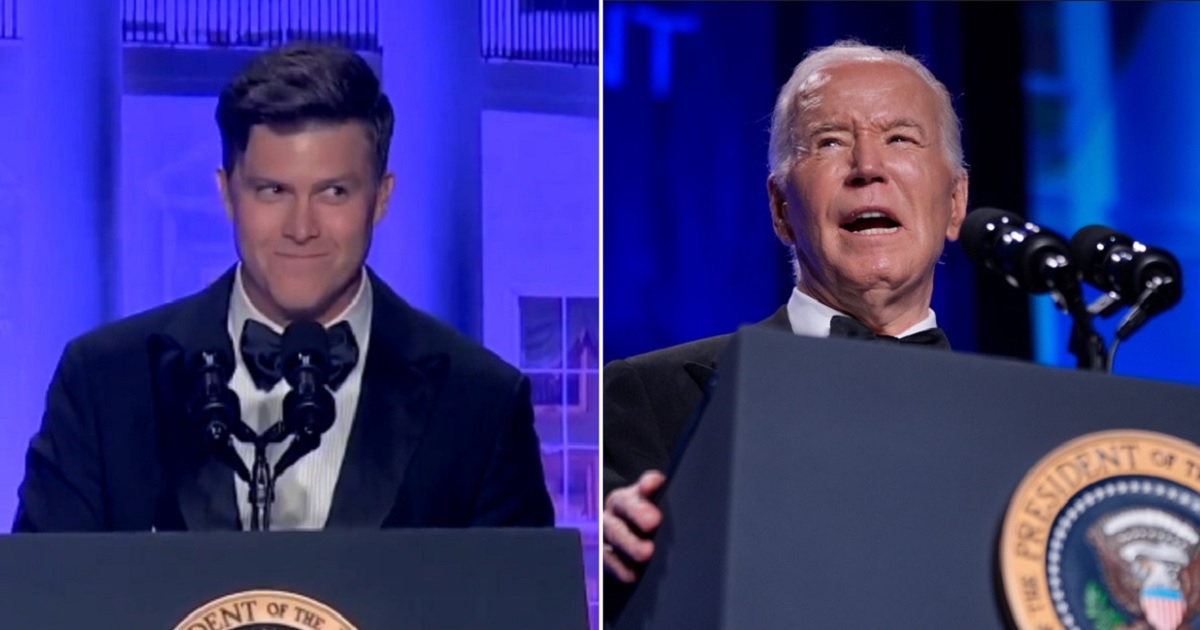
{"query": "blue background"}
pixel 1073 113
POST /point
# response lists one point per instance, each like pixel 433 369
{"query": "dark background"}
pixel 688 246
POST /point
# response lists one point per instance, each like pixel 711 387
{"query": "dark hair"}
pixel 301 83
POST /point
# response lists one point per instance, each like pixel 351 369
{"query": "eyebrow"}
pixel 903 122
pixel 348 179
pixel 256 181
pixel 827 127
pixel 832 127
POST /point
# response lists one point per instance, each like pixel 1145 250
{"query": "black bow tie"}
pixel 850 328
pixel 260 352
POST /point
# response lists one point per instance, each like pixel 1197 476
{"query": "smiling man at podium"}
pixel 397 420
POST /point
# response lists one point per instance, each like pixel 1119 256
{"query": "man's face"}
pixel 304 203
pixel 870 198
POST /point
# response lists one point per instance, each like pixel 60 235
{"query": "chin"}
pixel 298 306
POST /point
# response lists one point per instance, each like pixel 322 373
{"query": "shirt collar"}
pixel 357 313
pixel 811 318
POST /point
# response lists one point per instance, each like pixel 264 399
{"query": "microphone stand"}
pixel 262 478
pixel 1086 344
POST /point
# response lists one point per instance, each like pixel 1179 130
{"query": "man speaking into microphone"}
pixel 429 429
pixel 866 185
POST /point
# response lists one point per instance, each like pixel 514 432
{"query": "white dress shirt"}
pixel 304 492
pixel 811 318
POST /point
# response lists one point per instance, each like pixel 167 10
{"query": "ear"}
pixel 958 207
pixel 223 187
pixel 386 184
pixel 779 213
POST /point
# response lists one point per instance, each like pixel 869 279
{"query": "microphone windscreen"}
pixel 220 359
pixel 1088 246
pixel 977 232
pixel 307 338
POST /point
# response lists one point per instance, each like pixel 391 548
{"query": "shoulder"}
pixel 472 370
pixel 468 358
pixel 702 351
pixel 119 338
pixel 666 373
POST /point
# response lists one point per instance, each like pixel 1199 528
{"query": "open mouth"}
pixel 871 223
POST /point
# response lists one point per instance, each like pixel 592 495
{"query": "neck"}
pixel 323 314
pixel 883 310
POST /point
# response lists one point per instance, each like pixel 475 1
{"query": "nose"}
pixel 866 163
pixel 301 225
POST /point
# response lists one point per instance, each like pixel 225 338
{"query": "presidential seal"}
pixel 264 610
pixel 1104 534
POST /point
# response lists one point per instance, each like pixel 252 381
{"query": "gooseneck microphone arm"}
pixel 262 481
pixel 1085 343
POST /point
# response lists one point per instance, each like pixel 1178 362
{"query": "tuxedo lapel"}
pixel 702 373
pixel 401 382
pixel 200 486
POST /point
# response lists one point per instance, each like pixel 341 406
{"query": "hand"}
pixel 629 519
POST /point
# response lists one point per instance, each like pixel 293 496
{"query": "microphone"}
pixel 1029 257
pixel 216 409
pixel 1147 278
pixel 1037 260
pixel 308 409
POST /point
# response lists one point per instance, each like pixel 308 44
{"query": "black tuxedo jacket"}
pixel 649 400
pixel 443 435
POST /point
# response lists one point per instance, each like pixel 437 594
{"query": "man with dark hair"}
pixel 430 429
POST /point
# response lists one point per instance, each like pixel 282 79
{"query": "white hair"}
pixel 782 150
pixel 806 78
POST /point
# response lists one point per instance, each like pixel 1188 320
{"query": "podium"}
pixel 463 579
pixel 840 484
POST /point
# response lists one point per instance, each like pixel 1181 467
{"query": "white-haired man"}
pixel 867 183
